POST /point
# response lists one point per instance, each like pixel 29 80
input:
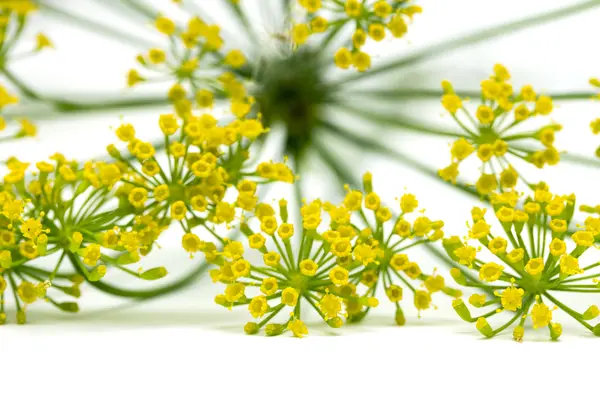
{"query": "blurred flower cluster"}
pixel 367 19
pixel 490 134
pixel 14 16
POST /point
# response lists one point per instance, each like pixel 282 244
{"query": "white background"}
pixel 184 357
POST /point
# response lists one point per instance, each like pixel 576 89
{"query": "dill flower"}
pixel 195 60
pixel 381 249
pixel 299 268
pixel 526 269
pixel 204 162
pixel 490 134
pixel 372 19
pixel 14 16
pixel 64 213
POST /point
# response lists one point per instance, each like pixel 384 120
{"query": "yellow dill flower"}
pixel 490 272
pixel 298 328
pixel 512 298
pixel 331 306
pixel 378 18
pixel 299 269
pixel 258 306
pixel 376 252
pixel 42 41
pixel 204 160
pixel 541 315
pixel 194 55
pixel 300 33
pixel 40 228
pixel 492 133
pixel 532 263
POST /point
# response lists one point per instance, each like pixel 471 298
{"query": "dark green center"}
pixel 299 282
pixel 487 135
pixel 290 92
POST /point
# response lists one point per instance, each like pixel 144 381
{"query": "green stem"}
pixel 366 144
pixel 399 121
pixel 99 28
pixel 175 286
pixel 407 93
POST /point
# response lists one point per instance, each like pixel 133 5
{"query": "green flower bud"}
pixel 368 182
pixel 596 330
pixel 97 273
pixel 283 210
pixel 450 245
pixel 335 322
pixel 399 317
pixel 462 310
pixel 569 209
pixel 76 240
pixel 113 151
pixel 251 328
pixel 42 244
pixel 371 302
pixel 128 258
pixel 518 333
pixel 21 317
pixel 73 291
pixel 5 259
pixel 449 291
pixel 154 273
pixel 354 318
pixel 220 300
pixel 591 313
pixel 484 328
pixel 68 306
pixel 555 331
pixel 273 329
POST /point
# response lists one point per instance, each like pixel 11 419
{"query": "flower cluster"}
pixel 63 212
pixel 190 185
pixel 336 267
pixel 13 19
pixel 524 271
pixel 381 250
pixel 195 61
pixel 300 264
pixel 595 125
pixel 368 19
pixel 491 136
